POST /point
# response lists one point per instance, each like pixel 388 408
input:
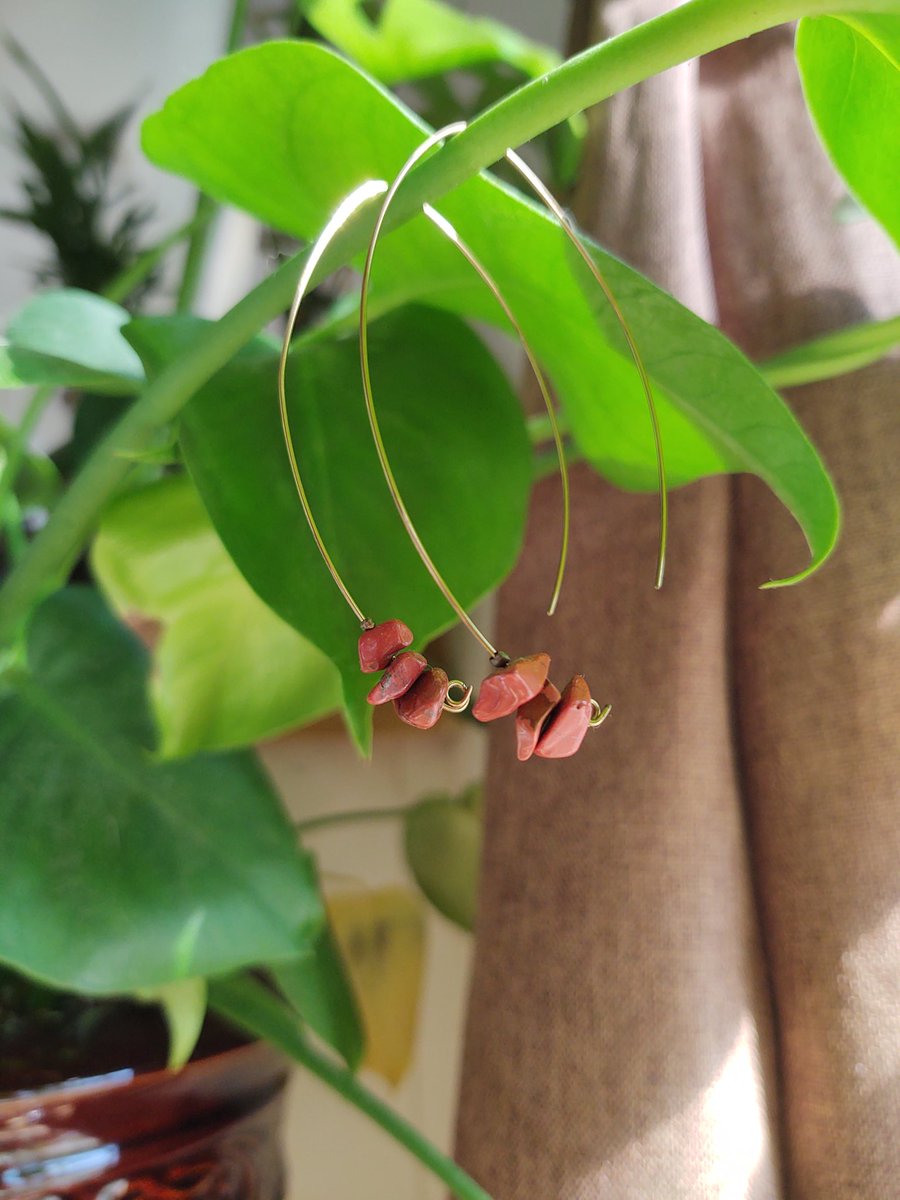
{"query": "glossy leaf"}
pixel 71 338
pixel 315 128
pixel 445 408
pixel 850 68
pixel 227 670
pixel 443 849
pixel 410 39
pixel 381 936
pixel 833 354
pixel 422 40
pixel 119 873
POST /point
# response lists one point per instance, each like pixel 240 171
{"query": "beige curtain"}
pixel 687 973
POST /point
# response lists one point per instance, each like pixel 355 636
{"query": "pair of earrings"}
pixel 549 723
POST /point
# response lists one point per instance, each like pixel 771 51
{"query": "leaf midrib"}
pixel 46 706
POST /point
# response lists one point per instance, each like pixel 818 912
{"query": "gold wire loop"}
pixel 460 704
pixel 598 714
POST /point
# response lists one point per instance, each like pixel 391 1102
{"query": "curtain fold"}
pixel 687 965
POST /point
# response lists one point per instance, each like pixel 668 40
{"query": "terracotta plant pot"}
pixel 209 1132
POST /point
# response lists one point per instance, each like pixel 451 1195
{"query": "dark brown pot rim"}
pixel 213 1124
pixel 84 1087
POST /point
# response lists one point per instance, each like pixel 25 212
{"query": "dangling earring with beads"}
pixel 549 723
pixel 420 692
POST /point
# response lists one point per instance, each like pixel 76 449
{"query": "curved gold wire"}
pixel 539 187
pixel 598 714
pixel 341 216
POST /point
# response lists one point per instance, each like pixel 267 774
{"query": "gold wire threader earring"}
pixel 420 693
pixel 549 723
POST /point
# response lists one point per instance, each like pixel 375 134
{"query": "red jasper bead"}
pixel 423 704
pixel 378 646
pixel 568 723
pixel 401 674
pixel 511 687
pixel 531 719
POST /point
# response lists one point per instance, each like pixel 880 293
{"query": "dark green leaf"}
pixel 37 479
pixel 72 338
pixel 850 67
pixel 227 671
pixel 314 128
pixel 460 451
pixel 120 873
pixel 319 989
pixel 443 849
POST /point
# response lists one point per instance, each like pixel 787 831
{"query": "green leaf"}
pixel 716 412
pixel 227 671
pixel 184 1007
pixel 120 873
pixel 834 354
pixel 850 68
pixel 443 849
pixel 8 377
pixel 319 988
pixel 71 338
pixel 450 421
pixel 411 39
pixel 422 40
pixel 37 479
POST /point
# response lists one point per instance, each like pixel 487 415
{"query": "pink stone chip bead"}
pixel 565 730
pixel 379 645
pixel 423 704
pixel 401 674
pixel 531 719
pixel 511 687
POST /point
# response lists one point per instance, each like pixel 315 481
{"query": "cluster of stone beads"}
pixel 549 723
pixel 417 690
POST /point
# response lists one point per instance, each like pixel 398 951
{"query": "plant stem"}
pixel 692 29
pixel 326 820
pixel 206 208
pixel 247 1003
pixel 126 281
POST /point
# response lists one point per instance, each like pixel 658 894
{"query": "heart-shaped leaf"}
pixel 71 338
pixel 460 452
pixel 313 127
pixel 443 849
pixel 227 670
pixel 850 68
pixel 119 873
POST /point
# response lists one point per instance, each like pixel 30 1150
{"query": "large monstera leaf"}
pixel 460 451
pixel 314 127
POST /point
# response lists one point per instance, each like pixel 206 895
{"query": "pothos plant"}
pixel 145 851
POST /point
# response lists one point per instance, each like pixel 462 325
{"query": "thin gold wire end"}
pixel 460 704
pixel 599 714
